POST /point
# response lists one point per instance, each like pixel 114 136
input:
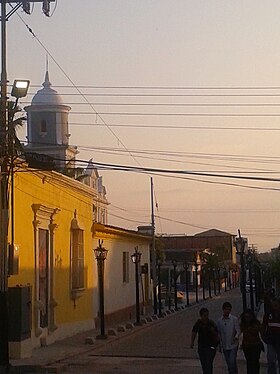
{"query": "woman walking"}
pixel 252 345
pixel 207 340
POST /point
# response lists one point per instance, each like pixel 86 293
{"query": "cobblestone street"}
pixel 161 346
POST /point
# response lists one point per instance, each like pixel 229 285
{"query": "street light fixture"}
pixel 101 254
pixel 240 250
pixel 186 267
pixel 20 88
pixel 136 258
pixel 174 263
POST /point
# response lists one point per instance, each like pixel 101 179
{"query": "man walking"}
pixel 271 336
pixel 229 331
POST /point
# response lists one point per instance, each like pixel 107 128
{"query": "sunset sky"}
pixel 197 85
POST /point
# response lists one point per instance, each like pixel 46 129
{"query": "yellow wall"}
pixel 41 188
pixel 69 199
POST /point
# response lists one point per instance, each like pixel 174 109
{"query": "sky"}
pixel 174 85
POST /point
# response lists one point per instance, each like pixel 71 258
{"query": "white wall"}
pixel 119 295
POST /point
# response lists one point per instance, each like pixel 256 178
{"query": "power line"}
pixel 109 166
pixel 177 127
pixel 73 84
pixel 171 104
pixel 171 87
pixel 139 114
pixel 161 95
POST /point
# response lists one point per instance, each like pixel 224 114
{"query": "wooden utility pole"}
pixel 153 252
pixel 4 176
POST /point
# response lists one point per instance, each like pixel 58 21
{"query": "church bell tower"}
pixel 47 126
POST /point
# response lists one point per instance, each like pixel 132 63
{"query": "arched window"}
pixel 43 127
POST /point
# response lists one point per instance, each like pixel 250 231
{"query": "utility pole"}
pixel 153 253
pixel 4 177
pixel 4 347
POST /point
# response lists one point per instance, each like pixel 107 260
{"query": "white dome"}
pixel 47 95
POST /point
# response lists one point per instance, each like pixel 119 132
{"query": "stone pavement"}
pixel 161 345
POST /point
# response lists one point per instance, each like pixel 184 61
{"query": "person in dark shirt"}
pixel 207 340
pixel 271 336
pixel 252 345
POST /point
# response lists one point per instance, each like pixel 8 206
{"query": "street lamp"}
pixel 7 140
pixel 136 258
pixel 196 280
pixel 101 254
pixel 240 249
pixel 225 278
pixel 174 263
pixel 229 277
pixel 203 282
pixel 213 270
pixel 186 267
pixel 159 287
pixel 249 261
pixel 219 280
pixel 20 88
pixel 209 283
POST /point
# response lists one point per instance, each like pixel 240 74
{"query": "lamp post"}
pixel 101 254
pixel 229 278
pixel 196 280
pixel 257 283
pixel 240 249
pixel 136 258
pixel 19 90
pixel 7 153
pixel 213 271
pixel 219 280
pixel 225 278
pixel 203 282
pixel 159 288
pixel 174 263
pixel 186 267
pixel 249 261
pixel 209 283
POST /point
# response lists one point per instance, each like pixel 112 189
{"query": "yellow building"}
pixel 55 232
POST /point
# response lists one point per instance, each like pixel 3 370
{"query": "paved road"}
pixel 161 346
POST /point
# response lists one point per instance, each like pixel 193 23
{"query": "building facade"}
pixel 55 233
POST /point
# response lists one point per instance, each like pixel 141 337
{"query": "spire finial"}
pixel 47 82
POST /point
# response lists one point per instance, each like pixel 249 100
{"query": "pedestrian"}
pixel 207 340
pixel 229 331
pixel 251 342
pixel 271 336
pixel 269 295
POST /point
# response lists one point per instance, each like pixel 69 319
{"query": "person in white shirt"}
pixel 229 331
